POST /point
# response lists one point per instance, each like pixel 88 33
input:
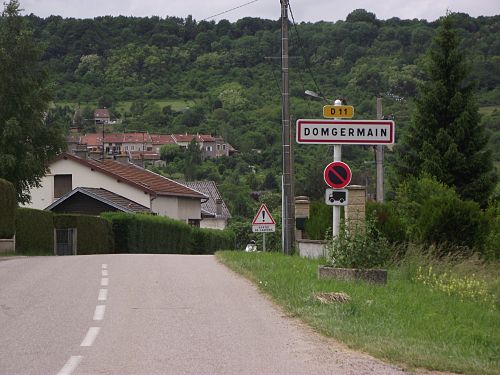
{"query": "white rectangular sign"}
pixel 263 228
pixel 336 197
pixel 345 132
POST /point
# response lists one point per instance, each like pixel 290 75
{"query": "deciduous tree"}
pixel 27 143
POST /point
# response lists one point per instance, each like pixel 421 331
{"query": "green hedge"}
pixel 7 209
pixel 94 234
pixel 34 231
pixel 207 241
pixel 140 233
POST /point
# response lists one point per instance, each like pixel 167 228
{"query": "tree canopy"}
pixel 26 140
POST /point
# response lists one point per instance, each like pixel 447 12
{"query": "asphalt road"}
pixel 153 314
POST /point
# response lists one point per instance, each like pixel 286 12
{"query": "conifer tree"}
pixel 445 138
pixel 26 142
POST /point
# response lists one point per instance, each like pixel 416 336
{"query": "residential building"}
pixel 160 195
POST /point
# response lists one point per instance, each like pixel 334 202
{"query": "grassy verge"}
pixel 404 322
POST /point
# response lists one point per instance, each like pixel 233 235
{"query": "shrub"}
pixel 320 220
pixel 94 234
pixel 141 233
pixel 433 213
pixel 7 209
pixel 366 248
pixel 492 242
pixel 207 241
pixel 387 221
pixel 34 231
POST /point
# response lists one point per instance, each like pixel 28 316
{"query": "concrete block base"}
pixel 7 245
pixel 376 276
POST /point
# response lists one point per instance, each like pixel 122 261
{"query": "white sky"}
pixel 303 10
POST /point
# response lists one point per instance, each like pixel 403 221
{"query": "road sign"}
pixel 338 111
pixel 336 197
pixel 263 222
pixel 337 174
pixel 345 132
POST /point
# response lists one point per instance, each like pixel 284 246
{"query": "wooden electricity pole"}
pixel 288 209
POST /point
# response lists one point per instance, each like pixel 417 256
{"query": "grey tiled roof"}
pixel 208 188
pixel 105 196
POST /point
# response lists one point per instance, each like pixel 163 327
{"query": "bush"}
pixel 207 241
pixel 94 234
pixel 34 231
pixel 7 209
pixel 387 221
pixel 320 220
pixel 141 233
pixel 433 213
pixel 359 248
pixel 492 243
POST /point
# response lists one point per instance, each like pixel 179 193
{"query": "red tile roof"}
pixel 101 113
pixel 136 137
pixel 138 177
pixel 162 139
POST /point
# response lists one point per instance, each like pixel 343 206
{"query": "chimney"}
pixel 218 207
pixel 81 151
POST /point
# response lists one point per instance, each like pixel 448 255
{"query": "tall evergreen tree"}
pixel 26 141
pixel 445 138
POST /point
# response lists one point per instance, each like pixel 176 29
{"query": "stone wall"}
pixel 355 211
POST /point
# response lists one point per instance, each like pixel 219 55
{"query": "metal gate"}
pixel 64 241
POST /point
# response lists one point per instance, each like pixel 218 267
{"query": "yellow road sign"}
pixel 338 111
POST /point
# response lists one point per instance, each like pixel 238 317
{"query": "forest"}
pixel 177 75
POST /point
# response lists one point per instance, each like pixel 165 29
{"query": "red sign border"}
pixel 344 165
pixel 301 122
pixel 263 207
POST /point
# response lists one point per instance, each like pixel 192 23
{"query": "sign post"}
pixel 263 223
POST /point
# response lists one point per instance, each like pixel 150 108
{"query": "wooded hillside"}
pixel 229 74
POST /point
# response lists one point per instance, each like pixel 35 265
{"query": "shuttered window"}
pixel 62 184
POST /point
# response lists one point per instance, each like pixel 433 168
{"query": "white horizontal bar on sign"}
pixel 263 228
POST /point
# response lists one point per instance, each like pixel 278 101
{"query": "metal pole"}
pixel 288 221
pixel 337 156
pixel 263 242
pixel 379 158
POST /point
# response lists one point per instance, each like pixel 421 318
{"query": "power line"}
pixel 230 10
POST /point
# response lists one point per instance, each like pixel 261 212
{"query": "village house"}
pixel 160 195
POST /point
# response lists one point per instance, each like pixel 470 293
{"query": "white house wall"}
pixel 213 223
pixel 82 176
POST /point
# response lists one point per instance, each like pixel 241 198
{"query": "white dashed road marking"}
pixel 90 336
pixel 71 365
pixel 105 272
pixel 103 295
pixel 99 312
pixel 104 266
pixel 104 281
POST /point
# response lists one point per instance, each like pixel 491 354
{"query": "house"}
pixel 94 201
pixel 160 195
pixel 214 211
pixel 159 140
pixel 102 116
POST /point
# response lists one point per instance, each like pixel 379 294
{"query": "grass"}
pixel 404 322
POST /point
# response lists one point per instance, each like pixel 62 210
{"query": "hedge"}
pixel 7 209
pixel 207 241
pixel 94 234
pixel 34 231
pixel 142 233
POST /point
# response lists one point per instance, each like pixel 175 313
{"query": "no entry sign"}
pixel 337 175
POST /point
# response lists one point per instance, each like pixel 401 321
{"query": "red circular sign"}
pixel 337 175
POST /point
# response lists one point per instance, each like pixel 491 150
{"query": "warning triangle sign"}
pixel 263 216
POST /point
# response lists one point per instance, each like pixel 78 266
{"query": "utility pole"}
pixel 379 158
pixel 288 209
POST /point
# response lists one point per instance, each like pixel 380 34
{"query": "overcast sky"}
pixel 303 10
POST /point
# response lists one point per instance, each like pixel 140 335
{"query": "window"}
pixel 218 147
pixel 224 146
pixel 62 184
pixel 132 148
pixel 126 148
